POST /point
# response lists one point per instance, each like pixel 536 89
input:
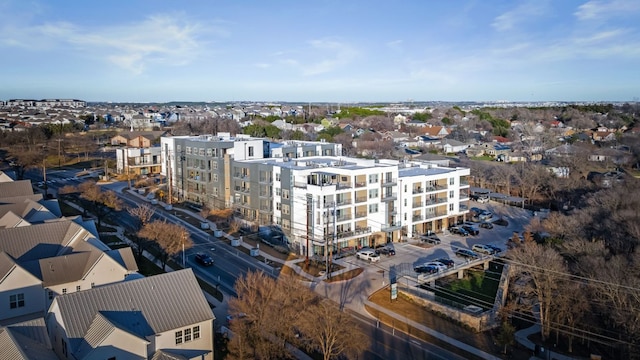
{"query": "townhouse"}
pixel 159 317
pixel 40 261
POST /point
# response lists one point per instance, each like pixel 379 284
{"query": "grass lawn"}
pixel 68 210
pixel 483 158
pixel 478 288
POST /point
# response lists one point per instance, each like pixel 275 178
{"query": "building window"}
pixel 178 337
pixel 50 294
pixel 187 335
pixel 451 194
pixel 196 332
pixel 285 194
pixel 285 209
pixel 16 301
pixel 214 165
pixel 277 176
pixel 450 207
pixel 78 288
pixel 64 291
pixel 250 150
pixel 373 208
pixel 179 148
pixel 405 187
pixel 278 206
pixel 373 193
pixel 373 178
pixel 209 152
pixel 278 191
pixel 452 181
pixel 215 177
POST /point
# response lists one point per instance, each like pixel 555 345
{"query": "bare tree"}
pixel 544 267
pixel 333 332
pixel 144 213
pixel 101 202
pixel 171 238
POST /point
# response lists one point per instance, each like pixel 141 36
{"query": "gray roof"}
pixel 124 256
pixel 6 264
pixel 419 171
pixel 26 340
pixel 10 219
pixel 37 241
pixel 19 198
pixel 15 188
pixel 167 301
pixel 28 209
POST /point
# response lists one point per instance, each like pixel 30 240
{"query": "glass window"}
pixel 64 291
pixel 373 208
pixel 16 301
pixel 250 150
pixel 78 288
pixel 187 334
pixel 373 178
pixel 373 193
pixel 196 332
pixel 452 181
pixel 450 207
pixel 178 337
pixel 451 194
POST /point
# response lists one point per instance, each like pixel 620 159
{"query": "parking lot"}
pixel 417 253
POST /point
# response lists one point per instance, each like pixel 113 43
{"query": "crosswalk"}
pixel 61 180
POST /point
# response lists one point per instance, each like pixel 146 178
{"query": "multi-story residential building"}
pixel 323 202
pixel 159 317
pixel 139 161
pixel 209 169
pixel 332 203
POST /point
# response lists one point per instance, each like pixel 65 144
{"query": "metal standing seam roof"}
pixel 26 340
pixel 10 220
pixel 167 301
pixel 6 264
pixel 37 241
pixel 15 188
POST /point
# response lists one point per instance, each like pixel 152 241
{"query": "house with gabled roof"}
pixel 41 261
pixel 26 341
pixel 145 318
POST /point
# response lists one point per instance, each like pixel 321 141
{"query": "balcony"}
pixel 361 215
pixel 361 199
pixel 389 181
pixel 342 202
pixel 391 227
pixel 343 217
pixel 266 180
pixel 361 184
pixel 265 208
pixel 417 218
pixel 431 202
pixel 464 182
pixel 463 197
pixel 393 211
pixel 435 214
pixel 300 185
pixel 389 197
pixel 418 191
pixel 417 205
pixel 242 189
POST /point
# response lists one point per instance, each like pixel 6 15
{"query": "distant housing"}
pixel 44 103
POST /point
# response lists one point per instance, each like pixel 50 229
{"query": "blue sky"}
pixel 337 51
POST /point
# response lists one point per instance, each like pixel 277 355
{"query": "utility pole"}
pixel 44 175
pixel 59 141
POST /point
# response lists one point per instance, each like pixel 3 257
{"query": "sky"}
pixel 320 51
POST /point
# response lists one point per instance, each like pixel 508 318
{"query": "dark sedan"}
pixel 448 262
pixel 425 269
pixel 466 253
pixel 204 259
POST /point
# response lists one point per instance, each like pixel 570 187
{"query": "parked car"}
pixel 425 269
pixel 466 253
pixel 483 249
pixel 458 231
pixel 483 199
pixel 448 262
pixel 496 249
pixel 476 210
pixel 471 229
pixel 430 238
pixel 369 255
pixel 485 215
pixel 386 249
pixel 486 225
pixel 438 265
pixel 204 259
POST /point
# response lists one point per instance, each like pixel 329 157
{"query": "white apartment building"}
pixel 138 161
pixel 331 204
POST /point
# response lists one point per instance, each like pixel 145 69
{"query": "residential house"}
pixel 435 131
pixel 137 139
pixel 158 317
pixel 604 136
pixel 454 146
pixel 40 261
pixel 26 340
pixel 139 161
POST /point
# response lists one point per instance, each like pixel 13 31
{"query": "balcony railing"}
pixel 417 217
pixel 342 202
pixel 242 189
pixel 389 196
pixel 435 214
pixel 436 201
pixel 361 184
pixel 343 217
pixel 361 215
pixel 391 227
pixel 393 211
pixel 464 182
pixel 361 199
pixel 417 204
pixel 418 191
pixel 389 181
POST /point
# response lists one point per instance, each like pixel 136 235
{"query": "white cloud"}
pixel 336 54
pixel 599 9
pixel 524 12
pixel 164 39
